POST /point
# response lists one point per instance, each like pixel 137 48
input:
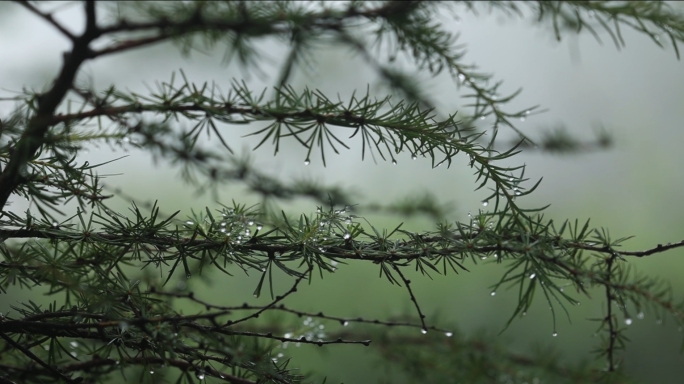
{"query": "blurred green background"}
pixel 635 188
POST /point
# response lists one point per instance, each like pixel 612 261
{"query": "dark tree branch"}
pixel 129 44
pixel 32 137
pixel 337 252
pixel 609 320
pixel 35 358
pixel 91 17
pixel 184 365
pixel 93 331
pixel 178 363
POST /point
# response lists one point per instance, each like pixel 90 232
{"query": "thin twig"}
pixel 256 314
pixel 47 17
pixel 342 320
pixel 407 282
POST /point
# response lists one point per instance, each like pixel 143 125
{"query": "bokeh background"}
pixel 634 188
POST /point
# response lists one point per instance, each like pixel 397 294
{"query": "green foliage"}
pixel 109 320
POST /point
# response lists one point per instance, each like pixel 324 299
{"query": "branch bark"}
pixel 33 137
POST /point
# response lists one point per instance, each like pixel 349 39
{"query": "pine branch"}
pixel 89 260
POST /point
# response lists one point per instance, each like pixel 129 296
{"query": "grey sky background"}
pixel 636 93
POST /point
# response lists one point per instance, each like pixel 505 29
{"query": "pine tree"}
pixel 123 283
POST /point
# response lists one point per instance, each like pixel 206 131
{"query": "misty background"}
pixel 634 188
